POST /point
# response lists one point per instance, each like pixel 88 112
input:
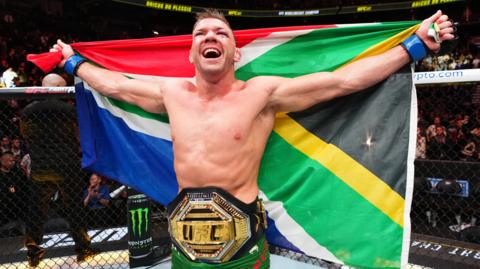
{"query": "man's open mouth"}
pixel 211 53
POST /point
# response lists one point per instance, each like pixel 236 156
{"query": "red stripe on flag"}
pixel 244 37
pixel 162 56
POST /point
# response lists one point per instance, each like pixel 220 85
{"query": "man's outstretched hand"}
pixel 66 50
pixel 446 30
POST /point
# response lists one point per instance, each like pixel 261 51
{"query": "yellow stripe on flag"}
pixel 359 178
pixel 355 175
pixel 386 44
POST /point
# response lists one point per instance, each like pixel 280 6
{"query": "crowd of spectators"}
pixel 448 123
pixel 448 119
pixel 31 205
pixel 21 36
pixel 18 38
pixel 461 57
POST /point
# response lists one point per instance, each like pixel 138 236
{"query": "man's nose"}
pixel 210 35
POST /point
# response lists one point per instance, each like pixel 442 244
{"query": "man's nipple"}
pixel 237 136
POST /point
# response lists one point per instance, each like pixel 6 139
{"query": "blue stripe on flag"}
pixel 112 149
pixel 140 161
pixel 275 238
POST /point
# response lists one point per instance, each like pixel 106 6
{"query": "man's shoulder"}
pixel 265 82
pixel 263 79
pixel 177 85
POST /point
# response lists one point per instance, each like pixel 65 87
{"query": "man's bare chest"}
pixel 232 117
pixel 216 125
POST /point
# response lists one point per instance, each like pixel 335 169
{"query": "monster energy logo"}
pixel 139 217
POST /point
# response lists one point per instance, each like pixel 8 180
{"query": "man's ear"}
pixel 237 56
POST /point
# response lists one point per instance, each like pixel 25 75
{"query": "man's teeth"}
pixel 211 53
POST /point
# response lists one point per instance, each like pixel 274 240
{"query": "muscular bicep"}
pixel 146 94
pixel 297 94
pixel 305 91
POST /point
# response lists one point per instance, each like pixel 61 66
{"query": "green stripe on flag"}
pixel 354 174
pixel 389 43
pixel 372 233
pixel 163 117
pixel 319 203
pixel 349 123
pixel 320 50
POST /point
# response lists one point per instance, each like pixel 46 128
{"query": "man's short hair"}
pixel 210 13
pixel 53 80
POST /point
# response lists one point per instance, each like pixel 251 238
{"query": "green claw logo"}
pixel 139 217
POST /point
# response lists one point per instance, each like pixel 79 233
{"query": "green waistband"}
pixel 257 258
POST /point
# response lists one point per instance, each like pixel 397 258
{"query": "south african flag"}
pixel 336 178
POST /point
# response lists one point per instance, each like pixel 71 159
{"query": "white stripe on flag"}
pixel 137 123
pixel 357 24
pixel 412 146
pixel 294 233
pixel 260 46
pixel 158 78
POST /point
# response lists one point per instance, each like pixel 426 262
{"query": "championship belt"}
pixel 210 225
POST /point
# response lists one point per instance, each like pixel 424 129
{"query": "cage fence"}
pixel 52 208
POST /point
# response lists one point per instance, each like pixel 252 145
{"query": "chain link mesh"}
pixel 44 194
pixel 51 207
pixel 445 206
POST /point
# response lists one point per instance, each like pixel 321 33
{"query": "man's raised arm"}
pixel 303 92
pixel 146 94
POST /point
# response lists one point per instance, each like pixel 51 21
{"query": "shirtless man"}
pixel 220 125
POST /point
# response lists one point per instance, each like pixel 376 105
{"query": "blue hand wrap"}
pixel 415 48
pixel 72 64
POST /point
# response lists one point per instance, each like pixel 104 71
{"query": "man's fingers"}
pixel 441 19
pixel 446 31
pixel 60 42
pixel 445 24
pixel 447 37
pixel 434 17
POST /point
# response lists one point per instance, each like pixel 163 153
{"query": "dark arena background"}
pixel 445 211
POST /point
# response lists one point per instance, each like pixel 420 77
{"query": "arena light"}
pixel 369 142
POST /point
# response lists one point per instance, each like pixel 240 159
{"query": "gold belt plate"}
pixel 208 227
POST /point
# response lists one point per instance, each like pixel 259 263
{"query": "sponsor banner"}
pixel 57 240
pixel 462 191
pixel 57 92
pixel 447 76
pixel 445 253
pixel 61 244
pixel 168 6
